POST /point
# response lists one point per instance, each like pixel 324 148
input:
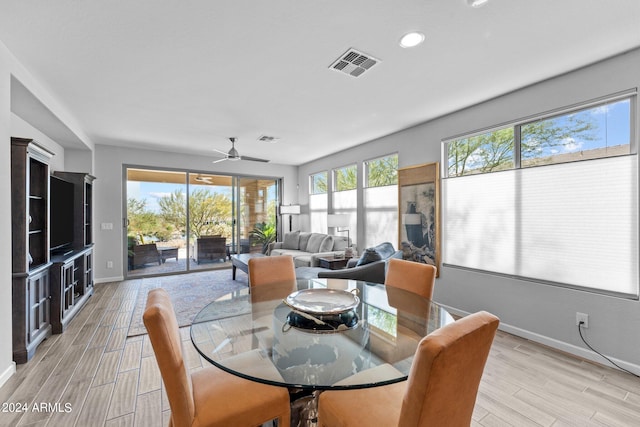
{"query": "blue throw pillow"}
pixel 368 256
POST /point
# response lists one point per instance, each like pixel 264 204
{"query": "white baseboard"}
pixel 109 279
pixel 581 352
pixel 7 373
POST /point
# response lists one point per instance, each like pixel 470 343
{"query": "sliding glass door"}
pixel 257 225
pixel 156 218
pixel 181 221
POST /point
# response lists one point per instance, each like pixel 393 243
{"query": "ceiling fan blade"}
pixel 254 159
pixel 224 153
pixel 219 160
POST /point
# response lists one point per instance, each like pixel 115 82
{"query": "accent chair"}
pixel 441 388
pixel 210 396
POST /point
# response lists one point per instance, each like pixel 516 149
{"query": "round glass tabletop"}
pixel 260 336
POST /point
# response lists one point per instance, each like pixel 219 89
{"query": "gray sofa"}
pixel 307 248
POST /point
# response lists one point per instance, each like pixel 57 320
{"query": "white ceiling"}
pixel 185 75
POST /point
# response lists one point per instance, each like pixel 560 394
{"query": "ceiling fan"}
pixel 233 154
pixel 203 179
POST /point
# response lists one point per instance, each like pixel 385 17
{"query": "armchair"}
pixel 370 267
pixel 145 254
pixel 210 248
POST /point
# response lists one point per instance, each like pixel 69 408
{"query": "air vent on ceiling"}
pixel 266 138
pixel 354 63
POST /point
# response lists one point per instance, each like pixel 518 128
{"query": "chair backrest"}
pixel 272 269
pixel 411 276
pixel 160 320
pixel 446 371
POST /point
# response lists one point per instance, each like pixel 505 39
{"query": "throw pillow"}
pixel 291 240
pixel 314 242
pixel 368 256
pixel 326 245
pixel 339 243
pixel 304 240
pixel 385 249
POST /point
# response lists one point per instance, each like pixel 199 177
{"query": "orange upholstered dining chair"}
pixel 271 270
pixel 411 276
pixel 210 396
pixel 441 389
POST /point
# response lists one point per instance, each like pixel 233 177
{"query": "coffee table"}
pixel 241 261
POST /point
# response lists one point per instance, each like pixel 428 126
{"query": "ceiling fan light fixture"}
pixel 411 39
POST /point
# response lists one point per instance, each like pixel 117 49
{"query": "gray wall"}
pixel 12 125
pixel 539 312
pixel 108 190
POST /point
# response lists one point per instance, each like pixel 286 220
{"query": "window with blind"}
pixel 560 205
pixel 318 202
pixel 345 197
pixel 381 200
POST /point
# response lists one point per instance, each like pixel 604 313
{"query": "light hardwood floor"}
pixel 99 377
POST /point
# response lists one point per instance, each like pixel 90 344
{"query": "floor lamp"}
pixel 290 210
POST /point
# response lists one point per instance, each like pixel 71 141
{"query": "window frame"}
pixel 517 125
pixel 632 97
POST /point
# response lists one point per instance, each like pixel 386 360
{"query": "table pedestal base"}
pixel 304 407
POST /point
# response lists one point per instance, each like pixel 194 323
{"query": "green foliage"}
pixel 264 233
pixel 381 172
pixel 210 213
pixel 142 223
pixel 319 183
pixel 494 151
pixel 488 152
pixel 346 178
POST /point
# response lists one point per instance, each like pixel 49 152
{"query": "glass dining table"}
pixel 276 334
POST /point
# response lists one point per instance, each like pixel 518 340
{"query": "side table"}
pixel 333 263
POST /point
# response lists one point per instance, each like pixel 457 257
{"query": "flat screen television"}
pixel 60 214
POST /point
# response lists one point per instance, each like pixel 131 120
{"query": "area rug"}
pixel 189 294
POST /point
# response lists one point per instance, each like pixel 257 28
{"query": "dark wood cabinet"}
pixel 72 272
pixel 83 203
pixel 71 286
pixel 30 246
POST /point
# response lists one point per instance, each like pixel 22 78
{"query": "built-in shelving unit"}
pixel 30 246
pixel 72 271
pixel 71 286
pixel 48 289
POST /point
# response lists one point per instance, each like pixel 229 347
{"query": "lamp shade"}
pixel 337 220
pixel 290 210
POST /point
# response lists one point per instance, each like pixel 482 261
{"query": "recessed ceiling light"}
pixel 411 39
pixel 477 3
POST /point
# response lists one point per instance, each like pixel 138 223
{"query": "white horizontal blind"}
pixel 346 202
pixel 318 213
pixel 574 223
pixel 380 215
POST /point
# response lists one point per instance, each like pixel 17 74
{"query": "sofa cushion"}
pixel 340 243
pixel 304 240
pixel 368 256
pixel 302 260
pixel 314 242
pixel 291 240
pixel 326 245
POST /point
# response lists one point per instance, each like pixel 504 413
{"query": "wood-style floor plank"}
pixel 107 379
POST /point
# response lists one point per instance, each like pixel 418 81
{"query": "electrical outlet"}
pixel 584 318
pixel 109 264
